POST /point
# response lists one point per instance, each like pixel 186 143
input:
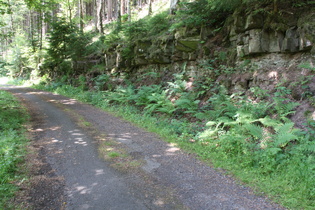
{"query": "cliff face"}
pixel 255 34
pixel 253 49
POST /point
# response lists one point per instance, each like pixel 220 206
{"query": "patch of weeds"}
pixel 308 66
pixel 113 154
pixel 259 93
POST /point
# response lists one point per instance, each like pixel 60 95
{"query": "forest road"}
pixel 85 158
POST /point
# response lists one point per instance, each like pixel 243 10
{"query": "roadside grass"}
pixel 12 147
pixel 268 154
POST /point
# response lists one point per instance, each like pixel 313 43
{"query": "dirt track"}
pixel 85 158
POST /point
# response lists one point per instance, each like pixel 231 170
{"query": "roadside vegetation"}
pixel 12 147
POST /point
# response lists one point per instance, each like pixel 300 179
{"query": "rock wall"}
pixel 243 37
pixel 251 36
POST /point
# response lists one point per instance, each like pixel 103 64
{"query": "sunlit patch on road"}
pixel 78 140
pixel 69 102
pixel 85 189
pixel 172 149
pixel 54 128
pixel 55 140
pixel 99 172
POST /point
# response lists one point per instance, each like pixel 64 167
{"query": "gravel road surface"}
pixel 90 159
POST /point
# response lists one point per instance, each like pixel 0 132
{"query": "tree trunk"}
pixel 100 16
pixel 150 8
pixel 11 16
pixel 70 11
pixel 173 4
pixel 81 14
pixel 31 30
pixel 40 28
pixel 129 10
pixel 118 15
pixel 110 10
pixel 123 7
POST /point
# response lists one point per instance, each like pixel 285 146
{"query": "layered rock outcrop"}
pixel 244 36
pixel 252 35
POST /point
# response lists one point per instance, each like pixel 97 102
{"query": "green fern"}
pixel 142 96
pixel 284 134
pixel 159 102
pixel 254 130
pixel 285 128
pixel 281 140
pixel 268 122
pixel 190 106
pixel 284 107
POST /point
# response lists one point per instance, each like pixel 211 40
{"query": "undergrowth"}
pixel 12 147
pixel 253 139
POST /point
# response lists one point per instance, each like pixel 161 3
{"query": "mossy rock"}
pixel 187 45
pixel 142 46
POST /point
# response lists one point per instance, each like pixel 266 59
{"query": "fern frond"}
pixel 211 123
pixel 268 122
pixel 285 128
pixel 282 139
pixel 254 130
pixel 284 134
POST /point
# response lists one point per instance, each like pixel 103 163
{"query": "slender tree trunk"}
pixel 118 14
pixel 95 14
pixel 31 29
pixel 115 8
pixel 70 11
pixel 129 10
pixel 11 16
pixel 123 7
pixel 173 4
pixel 40 29
pixel 99 17
pixel 81 14
pixel 150 7
pixel 110 10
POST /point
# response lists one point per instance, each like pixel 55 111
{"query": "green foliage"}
pixel 188 103
pixel 12 146
pixel 204 12
pixel 144 92
pixel 100 81
pixel 159 23
pixel 3 69
pixel 195 13
pixel 226 5
pixel 159 102
pixel 121 95
pixel 22 59
pixel 67 44
pixel 135 30
pixel 148 26
pixel 282 104
pixel 308 66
